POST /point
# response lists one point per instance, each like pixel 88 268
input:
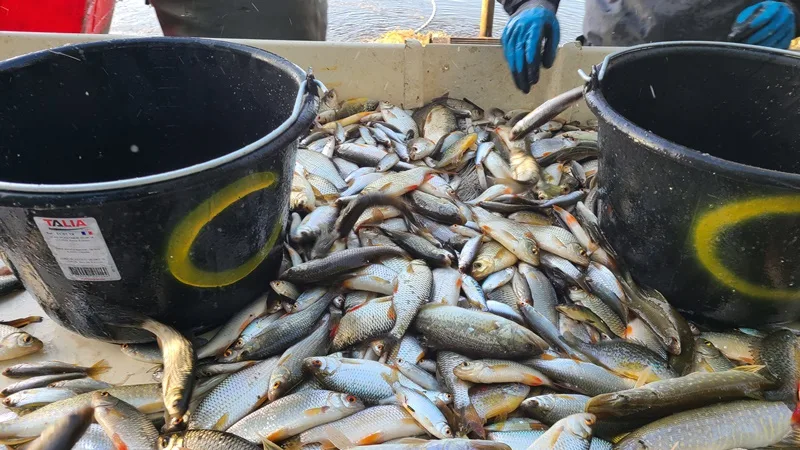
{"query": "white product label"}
pixel 79 248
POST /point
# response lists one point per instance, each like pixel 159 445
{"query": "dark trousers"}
pixel 305 20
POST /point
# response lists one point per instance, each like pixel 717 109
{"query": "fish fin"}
pixel 338 439
pixel 370 439
pixel 261 402
pixel 276 435
pixel 269 445
pixel 791 440
pixel 316 411
pixel 391 378
pixel 751 368
pixel 220 425
pixel 554 437
pixel 20 323
pixel 392 314
pixel 531 380
pixel 119 444
pixel 98 368
pixel 333 330
pixel 548 357
pixel 644 377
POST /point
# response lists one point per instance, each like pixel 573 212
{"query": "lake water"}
pixel 374 17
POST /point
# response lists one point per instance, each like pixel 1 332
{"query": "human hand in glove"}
pixel 530 39
pixel 770 23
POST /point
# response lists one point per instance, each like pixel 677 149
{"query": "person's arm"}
pixel 512 6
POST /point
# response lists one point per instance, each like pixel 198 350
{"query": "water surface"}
pixel 365 20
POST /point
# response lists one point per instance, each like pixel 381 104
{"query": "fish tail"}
pixel 470 420
pixel 98 368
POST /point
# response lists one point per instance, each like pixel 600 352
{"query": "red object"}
pixel 56 16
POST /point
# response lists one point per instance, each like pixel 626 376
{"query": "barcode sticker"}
pixel 79 248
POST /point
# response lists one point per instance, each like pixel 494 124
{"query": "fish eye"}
pixel 582 252
pixel 276 385
pixel 541 196
pixel 399 360
pixel 708 344
pixel 125 346
pixel 316 363
pixel 104 394
pixel 239 342
pixel 7 401
pixel 27 338
pixel 228 353
pixel 447 431
pixel 351 399
pixel 589 421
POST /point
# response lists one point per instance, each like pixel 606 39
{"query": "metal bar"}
pixel 487 18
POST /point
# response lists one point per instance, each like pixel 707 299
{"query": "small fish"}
pixel 15 343
pixel 661 398
pixel 548 330
pixel 179 362
pixel 294 414
pixel 626 359
pixel 289 370
pixel 491 257
pixel 412 291
pixel 585 315
pixel 571 432
pixel 55 367
pixel 717 426
pixel 472 289
pixel 231 330
pixel 499 371
pixel 551 408
pixel 65 433
pixel 737 346
pixel 498 279
pixel 417 374
pixel 129 427
pixel 38 382
pixel 285 289
pixel 209 440
pixel 371 426
pixel 424 412
pixel 475 332
pixel 542 293
pixel 337 264
pixel 497 400
pixel 583 377
pixel 708 358
pixel 31 398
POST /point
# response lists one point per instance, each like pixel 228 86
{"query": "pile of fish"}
pixel 445 284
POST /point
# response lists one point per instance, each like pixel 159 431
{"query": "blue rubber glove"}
pixel 530 39
pixel 770 24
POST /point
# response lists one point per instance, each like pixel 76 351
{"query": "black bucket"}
pixel 700 175
pixel 150 175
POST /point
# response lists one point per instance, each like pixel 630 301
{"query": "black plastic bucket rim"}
pixel 185 171
pixel 672 150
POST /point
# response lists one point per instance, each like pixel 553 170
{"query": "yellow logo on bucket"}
pixel 713 223
pixel 183 236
